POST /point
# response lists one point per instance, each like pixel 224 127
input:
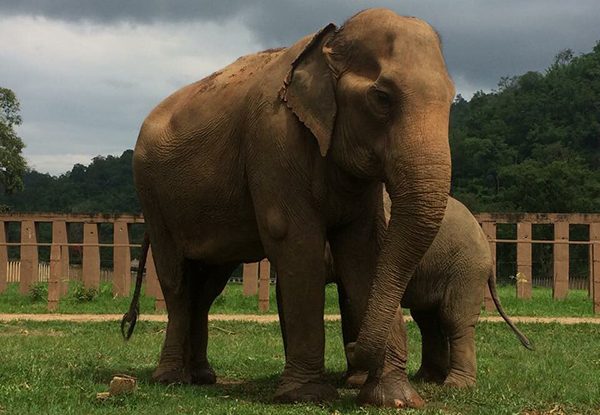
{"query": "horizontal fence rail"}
pixel 59 269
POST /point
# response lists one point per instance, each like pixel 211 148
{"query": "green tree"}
pixel 534 143
pixel 12 163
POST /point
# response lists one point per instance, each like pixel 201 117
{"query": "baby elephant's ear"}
pixel 309 90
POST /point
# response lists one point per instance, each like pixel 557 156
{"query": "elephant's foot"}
pixel 430 374
pixel 394 392
pixel 459 380
pixel 203 374
pixel 289 392
pixel 355 379
pixel 169 374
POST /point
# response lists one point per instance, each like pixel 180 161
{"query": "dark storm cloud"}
pixel 111 11
pixel 483 40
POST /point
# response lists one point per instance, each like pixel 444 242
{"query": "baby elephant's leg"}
pixel 463 362
pixel 434 347
pixel 459 315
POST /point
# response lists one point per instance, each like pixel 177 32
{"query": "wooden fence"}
pixel 256 277
pixel 561 243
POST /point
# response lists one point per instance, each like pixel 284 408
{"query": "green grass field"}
pixel 577 304
pixel 57 368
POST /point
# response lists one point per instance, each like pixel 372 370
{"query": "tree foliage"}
pixel 12 163
pixel 105 186
pixel 533 144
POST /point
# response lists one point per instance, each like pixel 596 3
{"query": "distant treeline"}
pixel 534 144
pixel 531 145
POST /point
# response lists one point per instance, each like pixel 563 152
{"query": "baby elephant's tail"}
pixel 522 338
pixel 134 308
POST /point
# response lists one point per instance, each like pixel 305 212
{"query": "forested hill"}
pixel 532 145
pixel 105 186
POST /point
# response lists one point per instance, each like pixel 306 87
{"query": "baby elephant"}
pixel 445 296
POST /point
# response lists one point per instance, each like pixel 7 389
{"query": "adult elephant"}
pixel 281 151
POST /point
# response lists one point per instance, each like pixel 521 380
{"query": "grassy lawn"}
pixel 57 368
pixel 577 303
pixel 232 301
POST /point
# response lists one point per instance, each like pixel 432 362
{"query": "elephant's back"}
pixel 192 109
pixel 463 229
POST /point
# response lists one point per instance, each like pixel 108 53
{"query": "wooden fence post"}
pixel 595 265
pixel 524 260
pixel 56 276
pixel 250 279
pixel 560 285
pixel 59 243
pixel 264 285
pixel 91 256
pixel 152 284
pixel 3 257
pixel 29 256
pixel 489 228
pixel 121 259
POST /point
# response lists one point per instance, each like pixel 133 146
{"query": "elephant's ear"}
pixel 308 89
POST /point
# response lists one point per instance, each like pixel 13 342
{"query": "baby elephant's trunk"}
pixel 134 308
pixel 522 338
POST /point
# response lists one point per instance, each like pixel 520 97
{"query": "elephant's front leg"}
pixel 354 256
pixel 354 250
pixel 434 347
pixel 301 272
pixel 389 385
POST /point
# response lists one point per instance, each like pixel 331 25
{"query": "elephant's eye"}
pixel 380 101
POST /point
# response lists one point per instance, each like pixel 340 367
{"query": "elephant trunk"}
pixel 418 182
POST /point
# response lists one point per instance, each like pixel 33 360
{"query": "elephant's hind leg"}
pixel 459 316
pixel 206 285
pixel 174 282
pixel 434 347
pixel 463 366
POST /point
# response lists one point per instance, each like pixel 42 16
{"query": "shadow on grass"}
pixel 261 390
pixel 255 390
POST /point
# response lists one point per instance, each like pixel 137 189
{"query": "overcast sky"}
pixel 87 72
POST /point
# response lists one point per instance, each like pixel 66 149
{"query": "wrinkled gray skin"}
pixel 445 296
pixel 281 151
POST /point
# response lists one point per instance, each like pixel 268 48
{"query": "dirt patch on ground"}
pixel 262 318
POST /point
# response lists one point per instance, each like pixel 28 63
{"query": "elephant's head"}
pixel 376 95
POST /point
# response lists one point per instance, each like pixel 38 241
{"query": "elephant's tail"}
pixel 522 338
pixel 134 308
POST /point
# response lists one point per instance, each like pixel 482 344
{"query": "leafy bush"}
pixel 83 294
pixel 38 292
